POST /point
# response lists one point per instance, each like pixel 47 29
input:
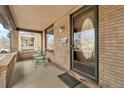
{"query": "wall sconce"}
pixel 62 28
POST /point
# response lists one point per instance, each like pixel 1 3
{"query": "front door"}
pixel 84 42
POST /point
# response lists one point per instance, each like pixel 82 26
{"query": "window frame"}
pixel 29 31
pixel 49 29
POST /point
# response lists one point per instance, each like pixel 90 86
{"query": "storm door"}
pixel 84 41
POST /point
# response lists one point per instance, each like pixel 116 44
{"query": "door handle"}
pixel 72 46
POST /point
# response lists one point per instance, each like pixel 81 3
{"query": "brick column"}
pixel 14 40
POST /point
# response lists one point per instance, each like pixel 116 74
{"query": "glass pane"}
pixel 88 40
pixel 50 39
pixel 84 41
pixel 29 41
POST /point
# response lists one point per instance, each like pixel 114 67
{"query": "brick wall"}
pixel 111 46
pixel 61 54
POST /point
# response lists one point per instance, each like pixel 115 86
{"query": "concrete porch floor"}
pixel 26 76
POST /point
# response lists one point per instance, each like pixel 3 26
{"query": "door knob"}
pixel 72 46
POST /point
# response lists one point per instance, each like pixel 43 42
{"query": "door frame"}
pixel 72 16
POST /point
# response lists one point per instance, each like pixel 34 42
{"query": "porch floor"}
pixel 26 76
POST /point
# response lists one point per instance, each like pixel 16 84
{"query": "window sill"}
pixel 27 51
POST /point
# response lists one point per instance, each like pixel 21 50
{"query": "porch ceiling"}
pixel 37 17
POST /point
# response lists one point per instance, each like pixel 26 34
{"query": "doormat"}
pixel 69 80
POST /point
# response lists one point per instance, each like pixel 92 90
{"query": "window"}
pixel 50 39
pixel 29 41
pixel 4 39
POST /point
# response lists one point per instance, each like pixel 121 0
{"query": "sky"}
pixel 88 34
pixel 3 32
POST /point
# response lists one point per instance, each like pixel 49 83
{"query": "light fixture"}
pixel 61 29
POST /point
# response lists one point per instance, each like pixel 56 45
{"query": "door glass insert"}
pixel 84 41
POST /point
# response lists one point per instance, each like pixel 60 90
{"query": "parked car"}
pixel 4 50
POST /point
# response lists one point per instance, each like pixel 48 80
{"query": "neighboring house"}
pixel 4 42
